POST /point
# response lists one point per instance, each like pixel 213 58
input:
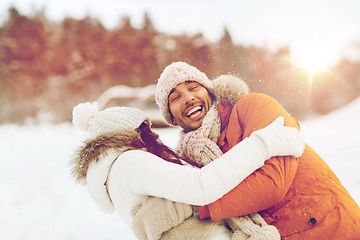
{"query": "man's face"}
pixel 189 102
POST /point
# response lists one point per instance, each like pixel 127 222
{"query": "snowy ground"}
pixel 40 200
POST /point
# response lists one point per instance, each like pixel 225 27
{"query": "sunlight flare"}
pixel 316 60
pixel 315 57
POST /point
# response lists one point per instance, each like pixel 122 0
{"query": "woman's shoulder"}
pixel 135 153
pixel 138 158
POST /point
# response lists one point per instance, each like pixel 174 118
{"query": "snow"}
pixel 41 201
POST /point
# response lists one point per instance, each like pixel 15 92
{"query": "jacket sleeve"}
pixel 146 174
pixel 266 186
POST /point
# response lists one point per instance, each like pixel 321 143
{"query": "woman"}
pixel 122 164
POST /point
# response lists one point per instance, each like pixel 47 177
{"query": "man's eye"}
pixel 174 98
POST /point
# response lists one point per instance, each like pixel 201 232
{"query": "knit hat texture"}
pixel 87 117
pixel 173 75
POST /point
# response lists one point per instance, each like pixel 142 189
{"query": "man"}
pixel 302 197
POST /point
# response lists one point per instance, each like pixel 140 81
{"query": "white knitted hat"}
pixel 87 117
pixel 173 75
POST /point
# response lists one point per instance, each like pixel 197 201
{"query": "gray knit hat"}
pixel 173 75
pixel 87 117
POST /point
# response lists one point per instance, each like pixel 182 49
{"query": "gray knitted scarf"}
pixel 200 145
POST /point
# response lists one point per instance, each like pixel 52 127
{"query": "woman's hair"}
pixel 155 146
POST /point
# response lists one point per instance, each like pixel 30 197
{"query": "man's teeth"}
pixel 193 110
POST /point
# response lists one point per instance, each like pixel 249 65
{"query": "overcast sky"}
pixel 332 25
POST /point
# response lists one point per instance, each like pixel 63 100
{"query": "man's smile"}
pixel 194 111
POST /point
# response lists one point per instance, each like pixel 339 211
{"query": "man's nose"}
pixel 188 97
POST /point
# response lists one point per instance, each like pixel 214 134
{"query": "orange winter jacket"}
pixel 302 197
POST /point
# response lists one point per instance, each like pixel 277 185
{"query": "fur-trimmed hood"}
pixel 93 149
pixel 228 89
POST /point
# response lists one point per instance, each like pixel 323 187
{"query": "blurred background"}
pixel 55 54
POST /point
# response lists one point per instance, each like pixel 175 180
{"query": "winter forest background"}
pixel 47 67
